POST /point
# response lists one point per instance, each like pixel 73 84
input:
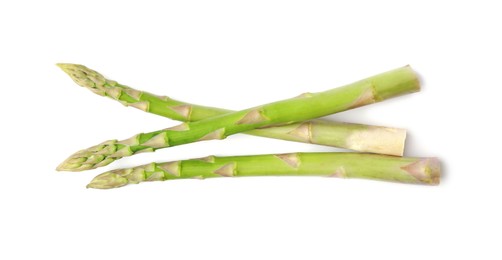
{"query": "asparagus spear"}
pixel 363 138
pixel 377 88
pixel 347 165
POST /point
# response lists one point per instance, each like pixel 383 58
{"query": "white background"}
pixel 238 54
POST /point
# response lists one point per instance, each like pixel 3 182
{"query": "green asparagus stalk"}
pixel 305 107
pixel 346 165
pixel 363 138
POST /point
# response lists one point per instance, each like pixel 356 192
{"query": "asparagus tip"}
pixel 66 166
pixel 85 77
pixel 60 168
pixel 72 164
pixel 62 65
pixel 67 67
pixel 107 180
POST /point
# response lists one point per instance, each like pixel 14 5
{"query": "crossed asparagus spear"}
pixel 291 119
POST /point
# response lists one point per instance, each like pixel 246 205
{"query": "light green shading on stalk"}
pixel 305 107
pixel 363 138
pixel 345 165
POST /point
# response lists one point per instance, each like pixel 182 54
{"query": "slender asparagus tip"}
pixel 61 167
pixel 108 180
pixel 86 77
pixel 66 165
pixel 93 157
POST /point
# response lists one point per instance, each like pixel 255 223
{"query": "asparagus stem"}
pixel 347 165
pixel 363 138
pixel 305 107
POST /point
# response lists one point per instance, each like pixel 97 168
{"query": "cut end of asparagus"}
pixel 426 170
pixel 86 77
pixel 395 83
pixel 434 171
pixel 381 140
pixel 108 180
